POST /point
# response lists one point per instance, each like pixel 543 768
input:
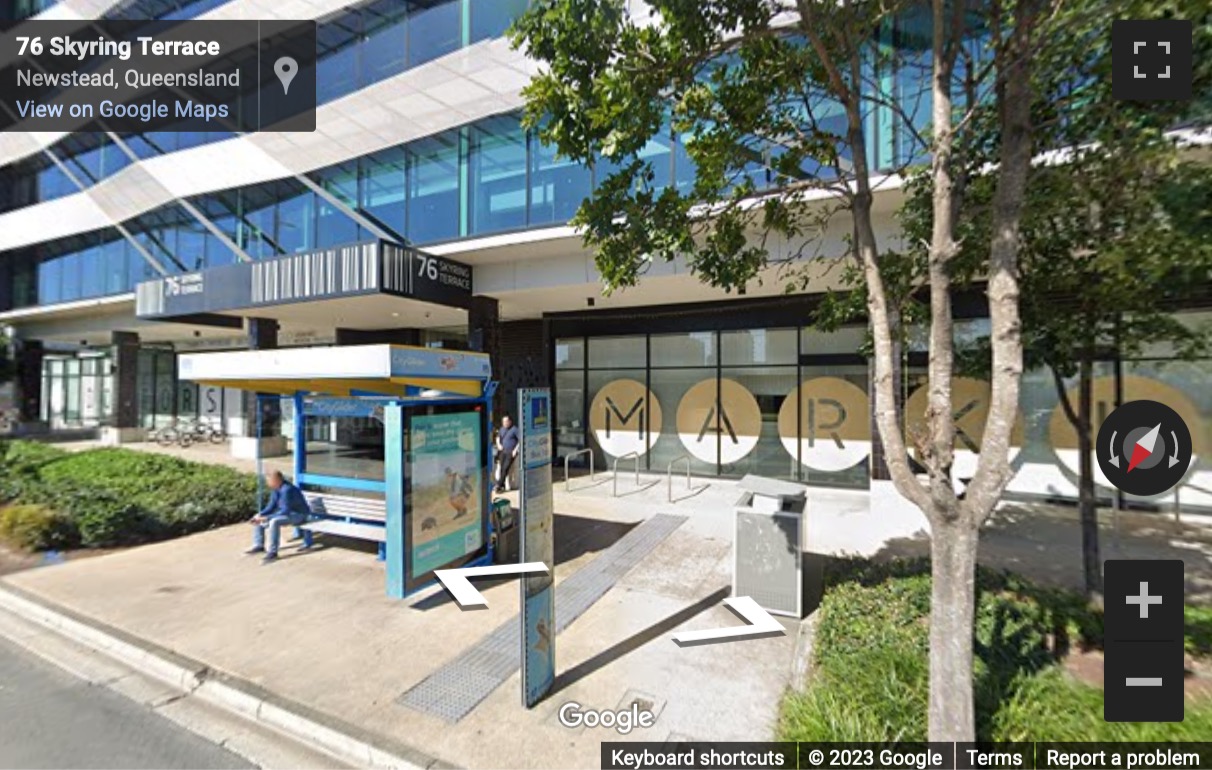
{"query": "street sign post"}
pixel 538 590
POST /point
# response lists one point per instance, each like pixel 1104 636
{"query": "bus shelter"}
pixel 427 466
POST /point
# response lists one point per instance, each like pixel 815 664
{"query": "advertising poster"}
pixel 538 591
pixel 445 494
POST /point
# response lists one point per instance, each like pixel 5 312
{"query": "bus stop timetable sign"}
pixel 140 76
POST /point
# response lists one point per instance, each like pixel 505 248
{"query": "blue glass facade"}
pixel 484 178
pixel 23 9
pixel 167 10
pixel 488 177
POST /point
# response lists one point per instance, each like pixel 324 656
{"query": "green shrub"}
pixel 1054 707
pixel 1198 632
pixel 120 497
pixel 28 455
pixel 37 528
pixel 870 680
pixel 106 520
pixel 20 463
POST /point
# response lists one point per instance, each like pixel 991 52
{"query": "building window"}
pixel 296 222
pixel 338 52
pixel 383 189
pixel 50 278
pixel 557 185
pixel 385 41
pixel 570 353
pixel 434 29
pixel 333 225
pixel 618 352
pixel 689 349
pixel 433 188
pixel 498 181
pixel 116 266
pixel 759 346
pixel 491 18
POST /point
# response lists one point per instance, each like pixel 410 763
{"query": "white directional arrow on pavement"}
pixel 760 624
pixel 455 580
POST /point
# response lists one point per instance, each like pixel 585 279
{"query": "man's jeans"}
pixel 505 460
pixel 274 524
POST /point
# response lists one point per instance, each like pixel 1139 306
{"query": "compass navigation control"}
pixel 1144 448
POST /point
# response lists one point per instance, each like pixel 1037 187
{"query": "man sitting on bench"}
pixel 287 506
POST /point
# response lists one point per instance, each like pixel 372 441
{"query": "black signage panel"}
pixel 408 272
pixel 344 271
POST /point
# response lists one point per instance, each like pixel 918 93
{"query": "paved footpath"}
pixel 316 629
pixel 50 718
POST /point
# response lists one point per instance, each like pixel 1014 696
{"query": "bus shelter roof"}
pixel 343 371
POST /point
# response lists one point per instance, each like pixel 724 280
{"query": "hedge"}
pixel 110 497
pixel 37 528
pixel 870 676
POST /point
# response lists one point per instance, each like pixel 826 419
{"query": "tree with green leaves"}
pixel 775 99
pixel 1116 229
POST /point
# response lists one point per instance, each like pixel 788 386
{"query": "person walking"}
pixel 508 444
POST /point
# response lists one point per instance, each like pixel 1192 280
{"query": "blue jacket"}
pixel 287 500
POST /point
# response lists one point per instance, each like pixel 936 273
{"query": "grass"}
pixel 870 675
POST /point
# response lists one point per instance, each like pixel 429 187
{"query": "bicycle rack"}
pixel 579 452
pixel 669 473
pixel 629 456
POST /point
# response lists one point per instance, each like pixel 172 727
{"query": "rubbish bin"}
pixel 506 546
pixel 769 544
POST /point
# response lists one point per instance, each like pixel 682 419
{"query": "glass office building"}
pixel 419 141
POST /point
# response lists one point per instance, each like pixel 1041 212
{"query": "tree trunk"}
pixel 939 451
pixel 953 545
pixel 1086 502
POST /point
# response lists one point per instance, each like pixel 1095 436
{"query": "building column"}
pixel 484 336
pixel 28 359
pixel 126 379
pixel 262 335
pixel 123 424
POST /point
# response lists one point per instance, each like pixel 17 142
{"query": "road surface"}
pixel 51 719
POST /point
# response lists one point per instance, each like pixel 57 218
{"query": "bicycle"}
pixel 177 432
pixel 206 431
pixel 166 435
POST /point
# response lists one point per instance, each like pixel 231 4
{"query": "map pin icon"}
pixel 286 68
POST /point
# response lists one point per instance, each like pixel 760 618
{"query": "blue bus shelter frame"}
pixel 393 487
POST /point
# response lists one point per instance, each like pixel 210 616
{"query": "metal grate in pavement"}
pixel 452 691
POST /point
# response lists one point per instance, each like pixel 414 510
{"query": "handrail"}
pixel 629 456
pixel 669 473
pixel 579 452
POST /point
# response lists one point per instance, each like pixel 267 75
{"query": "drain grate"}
pixel 452 691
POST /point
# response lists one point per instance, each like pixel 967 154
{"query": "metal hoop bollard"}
pixel 629 456
pixel 669 473
pixel 577 453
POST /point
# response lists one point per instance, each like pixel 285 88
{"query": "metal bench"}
pixel 360 518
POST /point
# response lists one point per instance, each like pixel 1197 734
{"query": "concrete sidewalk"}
pixel 316 629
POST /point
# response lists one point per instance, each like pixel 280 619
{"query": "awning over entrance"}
pixel 357 270
pixel 359 370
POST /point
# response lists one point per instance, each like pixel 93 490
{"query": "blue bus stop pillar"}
pixel 393 428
